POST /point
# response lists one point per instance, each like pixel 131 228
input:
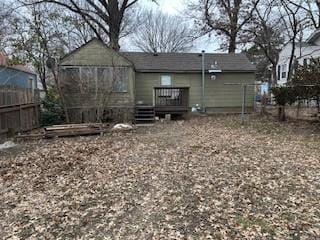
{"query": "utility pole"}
pixel 203 82
pixel 243 112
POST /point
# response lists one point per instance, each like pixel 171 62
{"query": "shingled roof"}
pixel 188 62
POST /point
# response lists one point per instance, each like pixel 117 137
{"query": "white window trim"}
pixel 167 75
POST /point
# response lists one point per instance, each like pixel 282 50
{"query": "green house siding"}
pixel 97 84
pixel 95 55
pixel 217 94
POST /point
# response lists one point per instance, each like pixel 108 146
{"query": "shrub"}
pixel 282 97
pixel 52 109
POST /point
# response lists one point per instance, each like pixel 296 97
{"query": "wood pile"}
pixel 70 130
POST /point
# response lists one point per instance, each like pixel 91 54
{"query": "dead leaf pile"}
pixel 206 178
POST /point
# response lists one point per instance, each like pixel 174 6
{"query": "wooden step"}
pixel 144 119
pixel 144 114
pixel 144 110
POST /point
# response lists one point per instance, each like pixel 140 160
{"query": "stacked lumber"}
pixel 70 130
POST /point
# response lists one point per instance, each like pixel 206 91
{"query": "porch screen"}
pixel 115 77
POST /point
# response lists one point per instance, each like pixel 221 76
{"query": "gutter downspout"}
pixel 203 108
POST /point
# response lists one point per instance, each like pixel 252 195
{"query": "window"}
pixel 70 79
pixel 284 71
pixel 87 79
pixel 30 82
pixel 120 80
pixel 117 78
pixel 166 80
pixel 279 72
pixel 305 62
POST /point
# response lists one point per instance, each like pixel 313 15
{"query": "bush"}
pixel 284 95
pixel 52 109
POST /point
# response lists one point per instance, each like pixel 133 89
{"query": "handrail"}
pixel 171 96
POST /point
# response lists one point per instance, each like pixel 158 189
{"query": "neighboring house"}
pixel 305 53
pixel 16 75
pixel 161 83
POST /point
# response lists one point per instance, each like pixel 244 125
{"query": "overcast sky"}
pixel 173 7
pixel 176 7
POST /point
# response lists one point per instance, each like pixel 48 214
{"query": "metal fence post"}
pixel 243 103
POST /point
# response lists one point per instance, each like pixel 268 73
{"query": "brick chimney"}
pixel 3 59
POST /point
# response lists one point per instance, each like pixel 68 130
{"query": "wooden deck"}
pixel 171 100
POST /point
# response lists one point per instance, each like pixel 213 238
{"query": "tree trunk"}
pixel 281 113
pixel 232 43
pixel 263 104
pixel 298 109
pixel 273 82
pixel 291 61
pixel 55 76
pixel 114 41
pixel 116 17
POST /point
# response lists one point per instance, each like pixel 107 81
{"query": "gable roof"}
pixel 20 68
pixel 105 49
pixel 180 62
pixel 188 62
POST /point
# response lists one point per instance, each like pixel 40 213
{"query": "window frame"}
pixel 279 72
pixel 284 71
pixel 113 69
pixel 166 75
pixel 305 62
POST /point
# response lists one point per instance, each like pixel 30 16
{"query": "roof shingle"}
pixel 188 62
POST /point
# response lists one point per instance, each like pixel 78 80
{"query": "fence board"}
pixel 19 109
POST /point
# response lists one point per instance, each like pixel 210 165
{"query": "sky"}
pixel 172 7
pixel 176 7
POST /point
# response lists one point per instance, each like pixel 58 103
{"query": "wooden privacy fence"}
pixel 19 109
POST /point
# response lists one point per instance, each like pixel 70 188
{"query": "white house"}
pixel 305 52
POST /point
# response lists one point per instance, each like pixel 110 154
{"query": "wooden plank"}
pixel 71 133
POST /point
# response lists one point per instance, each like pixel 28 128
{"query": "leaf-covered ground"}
pixel 206 178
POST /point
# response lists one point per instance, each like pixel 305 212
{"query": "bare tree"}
pixel 267 34
pixel 39 36
pixel 311 9
pixel 160 32
pixel 78 33
pixel 227 18
pixel 6 16
pixel 104 17
pixel 295 22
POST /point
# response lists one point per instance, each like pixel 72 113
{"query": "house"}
pixel 96 80
pixel 16 75
pixel 305 53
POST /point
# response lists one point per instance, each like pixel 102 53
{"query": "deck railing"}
pixel 171 97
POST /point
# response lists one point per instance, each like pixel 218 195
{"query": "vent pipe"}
pixel 203 82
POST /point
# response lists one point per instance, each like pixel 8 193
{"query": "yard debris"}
pixel 69 130
pixel 205 178
pixel 7 145
pixel 122 126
